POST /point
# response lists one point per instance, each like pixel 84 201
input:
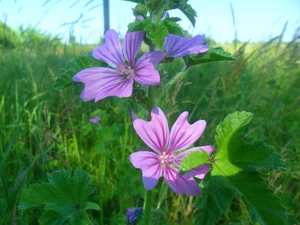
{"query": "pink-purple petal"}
pixel 198 49
pixel 180 184
pixel 184 134
pixel 111 51
pixel 199 172
pixel 177 46
pixel 150 165
pixel 117 86
pixel 151 57
pixel 139 18
pixel 154 133
pixel 208 148
pixel 131 46
pixel 95 79
pixel 145 72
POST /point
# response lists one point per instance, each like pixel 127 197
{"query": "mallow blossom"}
pixel 165 162
pixel 178 46
pixel 101 82
pixel 95 119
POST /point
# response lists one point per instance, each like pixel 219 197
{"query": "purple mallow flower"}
pixel 139 17
pixel 95 119
pixel 102 82
pixel 164 162
pixel 177 46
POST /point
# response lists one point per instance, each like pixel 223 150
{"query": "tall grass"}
pixel 43 129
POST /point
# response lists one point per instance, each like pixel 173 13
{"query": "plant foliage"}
pixel 77 64
pixel 235 172
pixel 212 55
pixel 63 198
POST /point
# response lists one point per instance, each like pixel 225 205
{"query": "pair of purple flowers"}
pixel 118 81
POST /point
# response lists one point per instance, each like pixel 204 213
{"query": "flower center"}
pixel 126 70
pixel 166 158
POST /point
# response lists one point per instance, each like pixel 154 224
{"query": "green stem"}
pixel 162 194
pixel 148 200
pixel 148 207
pixel 151 100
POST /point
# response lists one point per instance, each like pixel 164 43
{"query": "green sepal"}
pixel 140 10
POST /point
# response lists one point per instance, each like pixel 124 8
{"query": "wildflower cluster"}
pixel 125 68
pixel 171 153
pixel 118 80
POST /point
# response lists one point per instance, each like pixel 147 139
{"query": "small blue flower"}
pixel 132 216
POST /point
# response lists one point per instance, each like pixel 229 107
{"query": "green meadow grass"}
pixel 43 129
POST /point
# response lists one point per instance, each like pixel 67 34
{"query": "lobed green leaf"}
pixel 155 5
pixel 214 201
pixel 173 19
pixel 247 155
pixel 158 35
pixel 189 12
pixel 212 55
pixel 235 172
pixel 173 27
pixel 137 25
pixel 187 9
pixel 231 125
pixel 193 160
pixel 65 79
pixel 262 204
pixel 63 198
